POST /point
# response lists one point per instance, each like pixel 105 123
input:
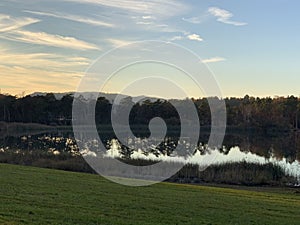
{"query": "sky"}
pixel 251 47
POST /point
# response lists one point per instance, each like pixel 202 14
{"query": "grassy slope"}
pixel 41 196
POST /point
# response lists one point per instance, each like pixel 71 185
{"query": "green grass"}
pixel 41 196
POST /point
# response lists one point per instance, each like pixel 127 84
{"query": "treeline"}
pixel 279 113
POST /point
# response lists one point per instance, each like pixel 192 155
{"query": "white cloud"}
pixel 213 60
pixel 224 16
pixel 148 17
pixel 42 38
pixel 144 20
pixel 162 8
pixel 73 18
pixel 186 36
pixel 194 37
pixel 8 23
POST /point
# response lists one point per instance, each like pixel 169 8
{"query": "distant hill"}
pixel 109 96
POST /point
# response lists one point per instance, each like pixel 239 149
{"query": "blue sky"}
pixel 252 47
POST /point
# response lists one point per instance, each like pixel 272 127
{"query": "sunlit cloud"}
pixel 9 23
pixel 18 79
pixel 213 60
pixel 224 16
pixel 43 60
pixel 31 72
pixel 40 71
pixel 73 18
pixel 43 38
pixel 194 37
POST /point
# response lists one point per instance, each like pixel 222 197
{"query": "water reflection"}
pixel 282 150
pixel 50 143
pixel 286 145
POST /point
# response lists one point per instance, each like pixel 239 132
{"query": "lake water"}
pixel 282 150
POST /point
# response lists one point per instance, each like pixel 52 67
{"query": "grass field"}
pixel 41 196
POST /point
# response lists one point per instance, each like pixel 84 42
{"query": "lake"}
pixel 282 150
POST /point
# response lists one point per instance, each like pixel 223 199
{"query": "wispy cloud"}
pixel 16 79
pixel 162 8
pixel 177 38
pixel 194 37
pixel 213 60
pixel 20 71
pixel 75 18
pixel 197 19
pixel 118 42
pixel 42 60
pixel 144 23
pixel 194 20
pixel 224 16
pixel 148 17
pixel 187 36
pixel 157 26
pixel 8 23
pixel 42 38
pixel 152 23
